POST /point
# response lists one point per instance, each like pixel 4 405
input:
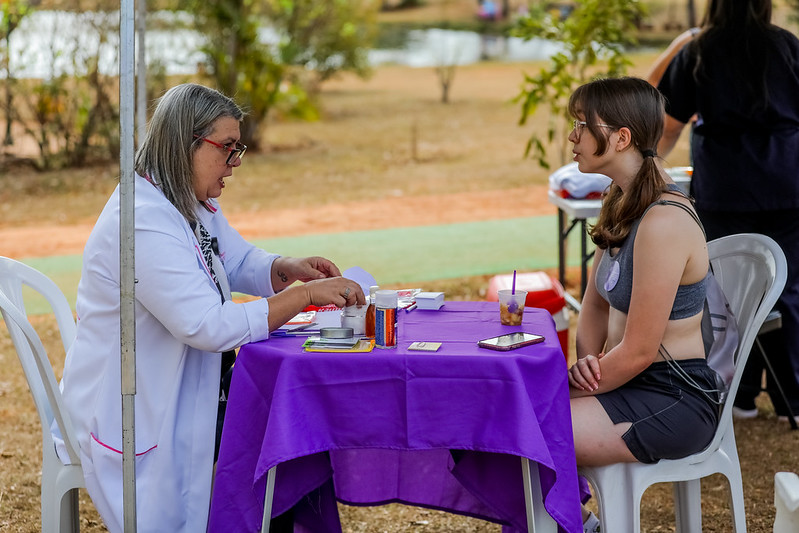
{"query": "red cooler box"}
pixel 542 291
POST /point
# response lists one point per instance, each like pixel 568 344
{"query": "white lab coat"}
pixel 181 328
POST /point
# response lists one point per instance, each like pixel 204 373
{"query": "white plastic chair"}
pixel 751 270
pixel 60 482
pixel 786 501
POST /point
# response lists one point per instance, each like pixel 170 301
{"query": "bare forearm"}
pixel 671 132
pixel 592 328
pixel 592 342
pixel 607 371
pixel 336 290
pixel 280 276
pixel 286 304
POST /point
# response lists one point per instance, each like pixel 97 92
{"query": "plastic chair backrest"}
pixel 30 350
pixel 719 332
pixel 751 270
pixel 786 501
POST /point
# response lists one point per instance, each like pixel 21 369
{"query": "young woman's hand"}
pixel 585 374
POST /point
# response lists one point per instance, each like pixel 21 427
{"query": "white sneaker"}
pixel 591 524
pixel 741 414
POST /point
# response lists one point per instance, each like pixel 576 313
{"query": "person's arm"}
pixel 662 62
pixel 259 273
pixel 592 334
pixel 337 290
pixel 661 255
pixel 671 132
pixel 287 270
pixel 678 87
pixel 175 288
pixel 592 322
pixel 178 292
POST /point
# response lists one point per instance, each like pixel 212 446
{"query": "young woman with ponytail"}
pixel 641 389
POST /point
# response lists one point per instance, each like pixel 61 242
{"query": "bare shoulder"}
pixel 669 227
pixel 669 232
pixel 669 219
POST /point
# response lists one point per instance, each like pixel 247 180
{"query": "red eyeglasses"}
pixel 235 150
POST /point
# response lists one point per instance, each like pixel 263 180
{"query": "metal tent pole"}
pixel 126 261
pixel 141 71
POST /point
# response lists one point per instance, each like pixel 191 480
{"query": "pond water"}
pixel 51 43
pixel 436 47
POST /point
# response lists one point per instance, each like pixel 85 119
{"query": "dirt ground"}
pixel 38 241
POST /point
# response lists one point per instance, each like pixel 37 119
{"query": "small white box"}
pixel 429 300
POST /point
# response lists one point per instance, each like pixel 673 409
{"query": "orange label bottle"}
pixel 370 314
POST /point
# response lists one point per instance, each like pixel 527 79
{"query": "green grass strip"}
pixel 425 253
pixel 392 256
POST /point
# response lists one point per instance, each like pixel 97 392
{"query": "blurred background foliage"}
pixel 72 114
pixel 274 56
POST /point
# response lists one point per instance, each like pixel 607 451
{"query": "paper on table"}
pixel 327 319
pixel 406 297
pixel 304 317
pixel 322 318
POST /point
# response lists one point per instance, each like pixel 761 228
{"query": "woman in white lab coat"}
pixel 188 259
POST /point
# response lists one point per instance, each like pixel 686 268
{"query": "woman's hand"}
pixel 585 374
pixel 287 270
pixel 310 268
pixel 338 291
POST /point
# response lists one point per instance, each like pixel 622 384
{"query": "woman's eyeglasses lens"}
pixel 577 126
pixel 235 153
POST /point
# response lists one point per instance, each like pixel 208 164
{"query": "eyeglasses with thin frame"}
pixel 235 150
pixel 578 126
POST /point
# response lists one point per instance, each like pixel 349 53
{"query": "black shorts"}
pixel 670 418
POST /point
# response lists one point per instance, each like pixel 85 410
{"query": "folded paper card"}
pixel 425 346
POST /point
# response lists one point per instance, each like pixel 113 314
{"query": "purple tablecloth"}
pixel 443 430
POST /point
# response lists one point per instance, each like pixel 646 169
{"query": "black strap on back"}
pixel 687 210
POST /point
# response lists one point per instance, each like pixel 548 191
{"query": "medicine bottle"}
pixel 370 313
pixel 386 319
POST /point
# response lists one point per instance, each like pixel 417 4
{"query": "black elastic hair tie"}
pixel 648 153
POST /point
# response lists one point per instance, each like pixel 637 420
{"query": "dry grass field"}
pixel 383 146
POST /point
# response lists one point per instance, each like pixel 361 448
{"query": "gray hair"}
pixel 183 114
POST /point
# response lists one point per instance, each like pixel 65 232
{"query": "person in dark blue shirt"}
pixel 740 77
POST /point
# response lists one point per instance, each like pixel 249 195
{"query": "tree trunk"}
pixel 251 130
pixel 691 14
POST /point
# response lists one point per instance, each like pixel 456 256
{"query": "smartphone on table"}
pixel 510 341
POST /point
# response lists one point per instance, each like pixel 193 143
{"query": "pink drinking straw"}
pixel 513 286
